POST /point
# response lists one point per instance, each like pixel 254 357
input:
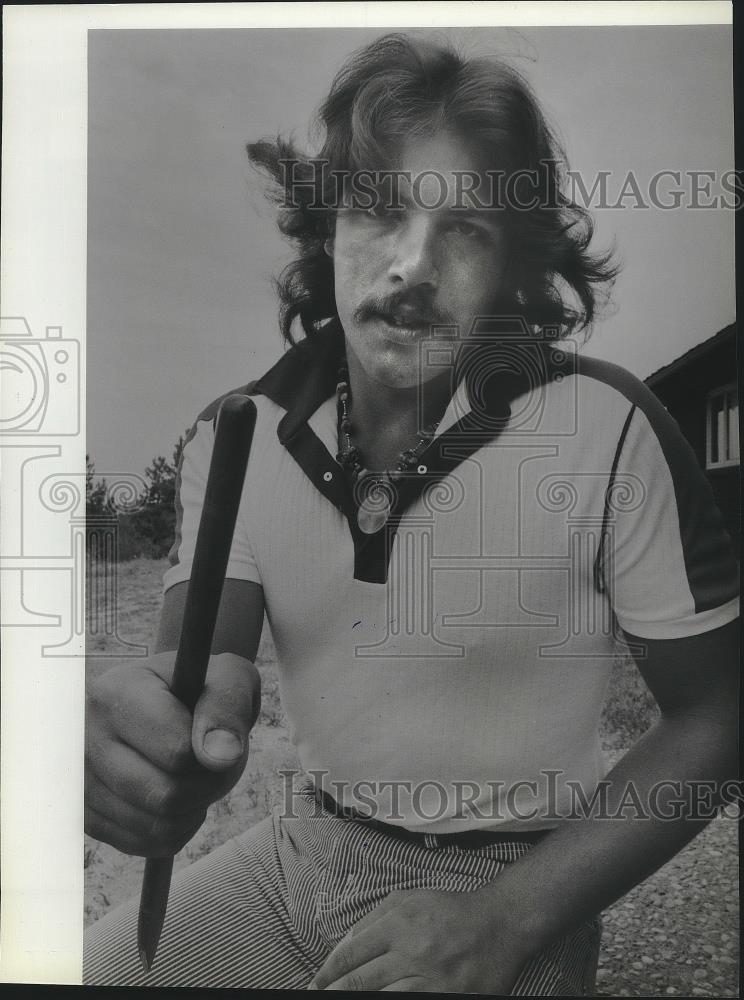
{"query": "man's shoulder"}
pixel 647 429
pixel 606 379
pixel 607 374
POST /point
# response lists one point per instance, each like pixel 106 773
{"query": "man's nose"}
pixel 415 257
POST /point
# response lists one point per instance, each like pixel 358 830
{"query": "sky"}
pixel 182 245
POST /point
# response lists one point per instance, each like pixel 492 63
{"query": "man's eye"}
pixel 382 211
pixel 464 228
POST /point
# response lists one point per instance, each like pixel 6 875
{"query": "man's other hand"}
pixel 423 940
pixel 151 768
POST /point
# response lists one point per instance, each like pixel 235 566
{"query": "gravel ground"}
pixel 677 934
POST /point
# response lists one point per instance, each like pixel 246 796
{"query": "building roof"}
pixel 691 356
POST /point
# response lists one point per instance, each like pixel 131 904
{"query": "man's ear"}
pixel 328 246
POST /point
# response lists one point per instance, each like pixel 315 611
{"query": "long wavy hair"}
pixel 395 89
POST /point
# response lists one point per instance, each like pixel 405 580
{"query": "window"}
pixel 722 447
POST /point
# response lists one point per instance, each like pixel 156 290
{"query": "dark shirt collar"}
pixel 304 377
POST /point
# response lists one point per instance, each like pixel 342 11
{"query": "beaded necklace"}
pixel 373 491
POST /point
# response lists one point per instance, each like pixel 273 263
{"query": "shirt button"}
pixel 328 476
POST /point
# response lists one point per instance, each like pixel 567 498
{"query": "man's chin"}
pixel 399 373
pixel 396 357
pixel 396 376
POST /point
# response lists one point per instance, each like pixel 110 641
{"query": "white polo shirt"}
pixel 448 673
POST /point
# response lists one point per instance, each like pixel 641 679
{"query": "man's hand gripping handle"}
pixel 235 425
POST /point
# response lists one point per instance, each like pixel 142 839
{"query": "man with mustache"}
pixel 438 486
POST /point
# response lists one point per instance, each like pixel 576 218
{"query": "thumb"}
pixel 225 712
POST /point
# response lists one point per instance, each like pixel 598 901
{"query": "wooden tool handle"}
pixel 235 425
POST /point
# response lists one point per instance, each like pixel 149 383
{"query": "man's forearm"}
pixel 586 864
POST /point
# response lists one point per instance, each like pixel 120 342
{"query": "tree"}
pixel 161 483
pixel 148 531
pixel 161 477
pixel 95 492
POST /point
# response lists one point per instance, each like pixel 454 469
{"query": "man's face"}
pixel 398 272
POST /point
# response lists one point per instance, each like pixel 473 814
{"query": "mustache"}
pixel 408 306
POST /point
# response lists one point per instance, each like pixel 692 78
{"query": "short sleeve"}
pixel 667 560
pixel 191 483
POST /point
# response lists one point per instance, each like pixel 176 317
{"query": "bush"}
pixel 148 532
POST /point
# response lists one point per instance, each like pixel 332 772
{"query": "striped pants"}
pixel 265 909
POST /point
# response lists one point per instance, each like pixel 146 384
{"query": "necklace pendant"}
pixel 370 521
pixel 378 490
pixel 374 510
